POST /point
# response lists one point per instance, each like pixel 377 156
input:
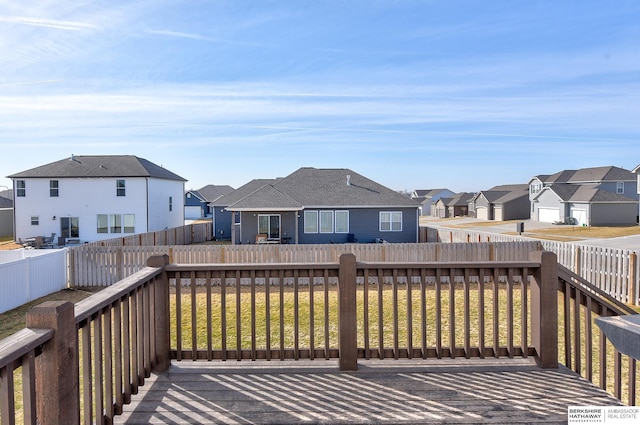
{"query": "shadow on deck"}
pixel 404 391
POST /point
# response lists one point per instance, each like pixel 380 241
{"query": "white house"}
pixel 637 171
pixel 89 198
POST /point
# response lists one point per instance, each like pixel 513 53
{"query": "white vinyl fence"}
pixel 26 275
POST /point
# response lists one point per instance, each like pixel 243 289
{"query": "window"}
pixel 390 221
pixel 342 221
pixel 129 223
pixel 103 223
pixel 116 223
pixel 326 221
pixel 311 221
pixel 53 188
pixel 35 220
pixel 535 188
pixel 170 203
pixel 120 188
pixel 620 188
pixel 269 225
pixel 21 188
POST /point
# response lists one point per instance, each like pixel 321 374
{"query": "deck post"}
pixel 162 319
pixel 347 324
pixel 544 309
pixel 56 369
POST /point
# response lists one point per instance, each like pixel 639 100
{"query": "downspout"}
pixel 418 225
pixel 146 180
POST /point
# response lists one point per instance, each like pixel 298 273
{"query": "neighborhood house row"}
pixel 89 198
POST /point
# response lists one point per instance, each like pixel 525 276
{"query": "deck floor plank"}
pixel 381 391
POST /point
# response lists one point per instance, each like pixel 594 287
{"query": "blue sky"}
pixel 414 94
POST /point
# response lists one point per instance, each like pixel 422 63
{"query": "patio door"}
pixel 69 227
pixel 269 224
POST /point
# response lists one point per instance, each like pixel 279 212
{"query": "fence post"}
pixel 633 263
pixel 162 319
pixel 578 261
pixel 347 313
pixel 57 370
pixel 544 309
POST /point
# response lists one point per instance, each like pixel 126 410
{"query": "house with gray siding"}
pixel 428 199
pixel 322 206
pixel 597 196
pixel 197 202
pixel 501 203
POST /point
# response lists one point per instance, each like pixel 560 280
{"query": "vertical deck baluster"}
pixel 108 365
pixel 117 339
pixel 567 326
pixel 380 315
pixel 151 302
pixel 140 340
pixel 238 317
pixel 588 339
pixel 603 352
pixel 438 313
pixel 7 389
pixel 194 316
pixel 467 314
pixel 281 282
pixel 223 313
pixel 253 314
pixel 87 374
pixel 365 315
pixel 617 374
pixel 631 393
pixel 267 312
pixel 496 314
pixel 98 367
pixel 28 388
pixel 423 311
pixel 577 331
pixel 452 314
pixel 481 326
pixel 409 316
pixel 396 337
pixel 327 345
pixel 510 312
pixel 126 349
pixel 524 339
pixel 178 316
pixel 208 284
pixel 311 316
pixel 296 315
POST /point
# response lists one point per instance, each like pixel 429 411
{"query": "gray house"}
pixel 428 199
pixel 197 202
pixel 501 203
pixel 596 196
pixel 322 206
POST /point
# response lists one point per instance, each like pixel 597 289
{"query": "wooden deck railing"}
pixel 83 365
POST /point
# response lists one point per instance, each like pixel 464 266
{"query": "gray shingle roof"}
pixel 311 187
pixel 241 192
pixel 593 174
pixel 586 193
pixel 99 166
pixel 212 192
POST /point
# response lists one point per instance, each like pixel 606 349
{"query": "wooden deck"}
pixel 381 391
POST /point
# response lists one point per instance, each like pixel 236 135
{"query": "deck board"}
pixel 381 391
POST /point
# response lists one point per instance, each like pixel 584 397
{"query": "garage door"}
pixel 497 212
pixel 580 216
pixel 548 215
pixel 482 213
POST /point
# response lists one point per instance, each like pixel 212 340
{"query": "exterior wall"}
pixel 548 199
pixel 364 226
pixel 613 214
pixel 533 184
pixel 518 209
pixel 81 198
pixel 441 210
pixel 6 221
pixel 159 215
pixel 194 207
pixel 221 223
pixel 629 188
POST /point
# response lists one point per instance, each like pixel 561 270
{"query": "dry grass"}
pixel 588 232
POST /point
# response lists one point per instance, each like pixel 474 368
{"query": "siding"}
pixel 221 223
pixel 159 215
pixel 612 214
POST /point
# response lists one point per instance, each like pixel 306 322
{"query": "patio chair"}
pixel 39 242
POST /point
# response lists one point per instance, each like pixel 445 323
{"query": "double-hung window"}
pixel 326 221
pixel 53 188
pixel 120 188
pixel 620 188
pixel 390 221
pixel 311 221
pixel 342 221
pixel 116 223
pixel 21 188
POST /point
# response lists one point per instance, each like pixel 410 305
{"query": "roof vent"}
pixel 348 180
pixel 72 158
